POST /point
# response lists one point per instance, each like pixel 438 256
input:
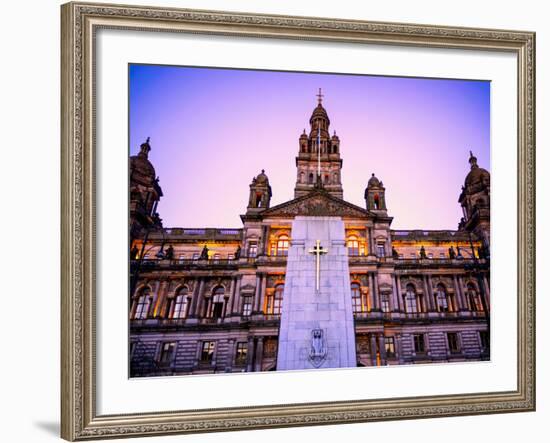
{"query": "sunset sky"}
pixel 212 130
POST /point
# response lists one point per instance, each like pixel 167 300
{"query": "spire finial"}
pixel 320 96
pixel 473 160
pixel 148 138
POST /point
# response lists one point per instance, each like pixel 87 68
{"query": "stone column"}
pixel 235 308
pixel 373 348
pixel 399 348
pixel 487 291
pixel 231 351
pixel 382 347
pixel 427 299
pixel 431 292
pixel 263 283
pixel 372 250
pixel 198 306
pixel 229 304
pixel 249 354
pixel 262 247
pixel 399 295
pixel 461 292
pixel 371 290
pixel 259 354
pixel 458 296
pixel 375 295
pixel 394 305
pixel 159 308
pixel 255 307
pixel 194 298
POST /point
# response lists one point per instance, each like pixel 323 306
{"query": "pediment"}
pixel 316 204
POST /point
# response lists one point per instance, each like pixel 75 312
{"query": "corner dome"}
pixel 373 181
pixel 477 175
pixel 140 164
pixel 262 178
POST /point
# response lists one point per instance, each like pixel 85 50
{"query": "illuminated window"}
pixel 353 245
pixel 181 304
pixel 390 346
pixel 240 354
pixel 247 306
pixel 216 257
pixel 252 249
pixel 441 299
pixel 282 245
pixel 275 300
pixel 207 351
pixel 411 300
pixel 231 256
pixel 474 299
pixel 385 302
pixel 453 342
pixel 419 343
pixel 357 298
pixel 167 353
pixel 217 302
pixel 143 304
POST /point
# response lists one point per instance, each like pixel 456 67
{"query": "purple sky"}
pixel 212 130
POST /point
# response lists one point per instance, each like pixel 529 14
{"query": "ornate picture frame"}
pixel 80 22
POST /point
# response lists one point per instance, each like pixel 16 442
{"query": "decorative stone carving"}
pixel 318 351
pixel 317 203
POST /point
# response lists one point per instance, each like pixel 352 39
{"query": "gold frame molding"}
pixel 79 22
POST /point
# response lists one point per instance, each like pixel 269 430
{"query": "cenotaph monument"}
pixel 317 328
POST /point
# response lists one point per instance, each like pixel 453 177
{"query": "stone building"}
pixel 210 300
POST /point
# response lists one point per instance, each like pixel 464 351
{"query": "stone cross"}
pixel 318 250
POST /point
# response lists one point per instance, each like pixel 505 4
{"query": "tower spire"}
pixel 320 96
pixel 319 153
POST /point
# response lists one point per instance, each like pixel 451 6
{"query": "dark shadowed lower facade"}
pixel 315 282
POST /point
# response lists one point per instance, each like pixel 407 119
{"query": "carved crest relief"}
pixel 317 205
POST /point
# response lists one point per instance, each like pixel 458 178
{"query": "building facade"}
pixel 210 300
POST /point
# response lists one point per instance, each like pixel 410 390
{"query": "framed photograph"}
pixel 284 221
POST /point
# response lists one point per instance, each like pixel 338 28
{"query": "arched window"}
pixel 302 177
pixel 311 177
pixel 353 245
pixel 357 299
pixel 143 304
pixel 474 300
pixel 282 245
pixel 412 304
pixel 442 299
pixel 376 201
pixel 326 179
pixel 274 301
pixel 181 303
pixel 335 177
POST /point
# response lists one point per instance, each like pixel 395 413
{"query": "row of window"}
pixel 206 353
pixel 454 343
pixel 215 305
pixel 419 342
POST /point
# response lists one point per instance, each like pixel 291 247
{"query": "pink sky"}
pixel 212 130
